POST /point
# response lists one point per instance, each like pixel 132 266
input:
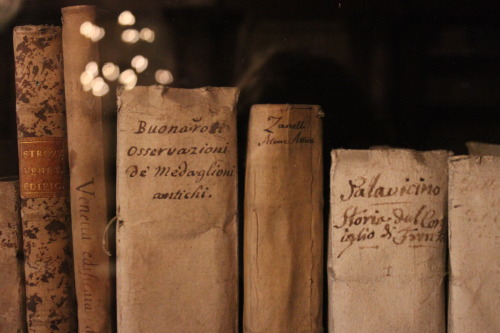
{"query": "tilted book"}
pixel 177 210
pixel 43 176
pixel 474 213
pixel 283 235
pixel 481 148
pixel 88 177
pixel 12 305
pixel 387 241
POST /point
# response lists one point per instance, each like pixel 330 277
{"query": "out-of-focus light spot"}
pixel 99 87
pixel 86 29
pixel 147 35
pixel 127 76
pixel 130 36
pixel 97 34
pixel 163 76
pixel 139 63
pixel 92 31
pixel 131 85
pixel 110 71
pixel 126 18
pixel 86 78
pixel 92 69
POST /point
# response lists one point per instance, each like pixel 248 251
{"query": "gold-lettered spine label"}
pixel 42 167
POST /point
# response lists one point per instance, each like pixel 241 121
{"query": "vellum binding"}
pixel 387 241
pixel 283 242
pixel 177 264
pixel 474 208
pixel 481 148
pixel 89 209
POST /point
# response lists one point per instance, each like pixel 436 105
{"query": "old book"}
pixel 12 305
pixel 474 214
pixel 45 211
pixel 387 241
pixel 177 264
pixel 283 236
pixel 481 148
pixel 88 177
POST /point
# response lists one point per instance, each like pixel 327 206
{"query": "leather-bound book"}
pixel 43 177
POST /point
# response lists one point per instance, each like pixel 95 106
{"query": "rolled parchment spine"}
pixel 88 181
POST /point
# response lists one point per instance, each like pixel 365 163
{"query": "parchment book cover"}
pixel 177 268
pixel 481 148
pixel 474 238
pixel 283 240
pixel 12 305
pixel 89 209
pixel 43 177
pixel 387 241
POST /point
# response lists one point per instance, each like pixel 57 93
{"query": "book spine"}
pixel 13 314
pixel 177 210
pixel 481 148
pixel 88 181
pixel 283 236
pixel 387 241
pixel 474 208
pixel 45 211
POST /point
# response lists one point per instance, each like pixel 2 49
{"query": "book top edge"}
pixel 37 29
pixel 78 9
pixel 390 150
pixel 121 90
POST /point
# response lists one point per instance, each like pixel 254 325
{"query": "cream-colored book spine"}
pixel 474 242
pixel 387 241
pixel 481 148
pixel 177 267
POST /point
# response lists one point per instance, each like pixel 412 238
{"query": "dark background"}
pixel 411 73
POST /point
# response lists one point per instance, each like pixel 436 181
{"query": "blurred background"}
pixel 405 73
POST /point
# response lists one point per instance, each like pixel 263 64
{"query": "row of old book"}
pixel 395 215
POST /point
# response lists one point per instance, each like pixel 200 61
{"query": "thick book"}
pixel 387 241
pixel 474 215
pixel 12 305
pixel 88 176
pixel 43 177
pixel 283 212
pixel 177 266
pixel 481 148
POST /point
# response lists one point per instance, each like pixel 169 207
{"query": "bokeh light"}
pixel 126 18
pixel 163 76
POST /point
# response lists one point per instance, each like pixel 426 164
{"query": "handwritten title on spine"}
pixel 195 158
pixel 374 213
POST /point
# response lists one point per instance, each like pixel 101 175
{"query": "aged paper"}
pixel 474 241
pixel 480 148
pixel 177 267
pixel 387 244
pixel 12 305
pixel 88 181
pixel 283 242
pixel 45 210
